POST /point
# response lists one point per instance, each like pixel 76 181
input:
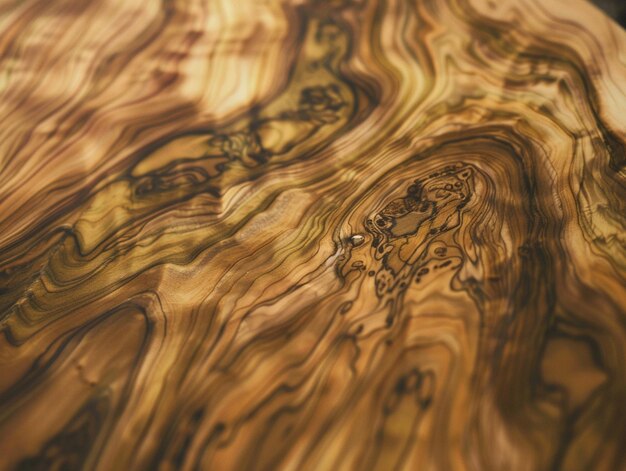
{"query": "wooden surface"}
pixel 312 235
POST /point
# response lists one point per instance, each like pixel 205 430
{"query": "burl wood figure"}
pixel 312 235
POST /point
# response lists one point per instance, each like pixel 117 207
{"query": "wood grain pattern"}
pixel 312 235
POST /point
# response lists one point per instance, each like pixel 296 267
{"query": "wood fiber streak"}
pixel 312 235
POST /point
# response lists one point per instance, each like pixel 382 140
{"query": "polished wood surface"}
pixel 312 235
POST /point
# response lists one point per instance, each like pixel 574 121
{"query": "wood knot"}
pixel 357 240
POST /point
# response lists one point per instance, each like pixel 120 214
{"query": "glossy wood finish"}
pixel 312 235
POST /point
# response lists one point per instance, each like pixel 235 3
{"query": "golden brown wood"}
pixel 312 235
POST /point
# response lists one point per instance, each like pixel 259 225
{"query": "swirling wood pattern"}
pixel 312 235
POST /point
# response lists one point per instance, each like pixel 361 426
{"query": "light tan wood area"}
pixel 312 235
